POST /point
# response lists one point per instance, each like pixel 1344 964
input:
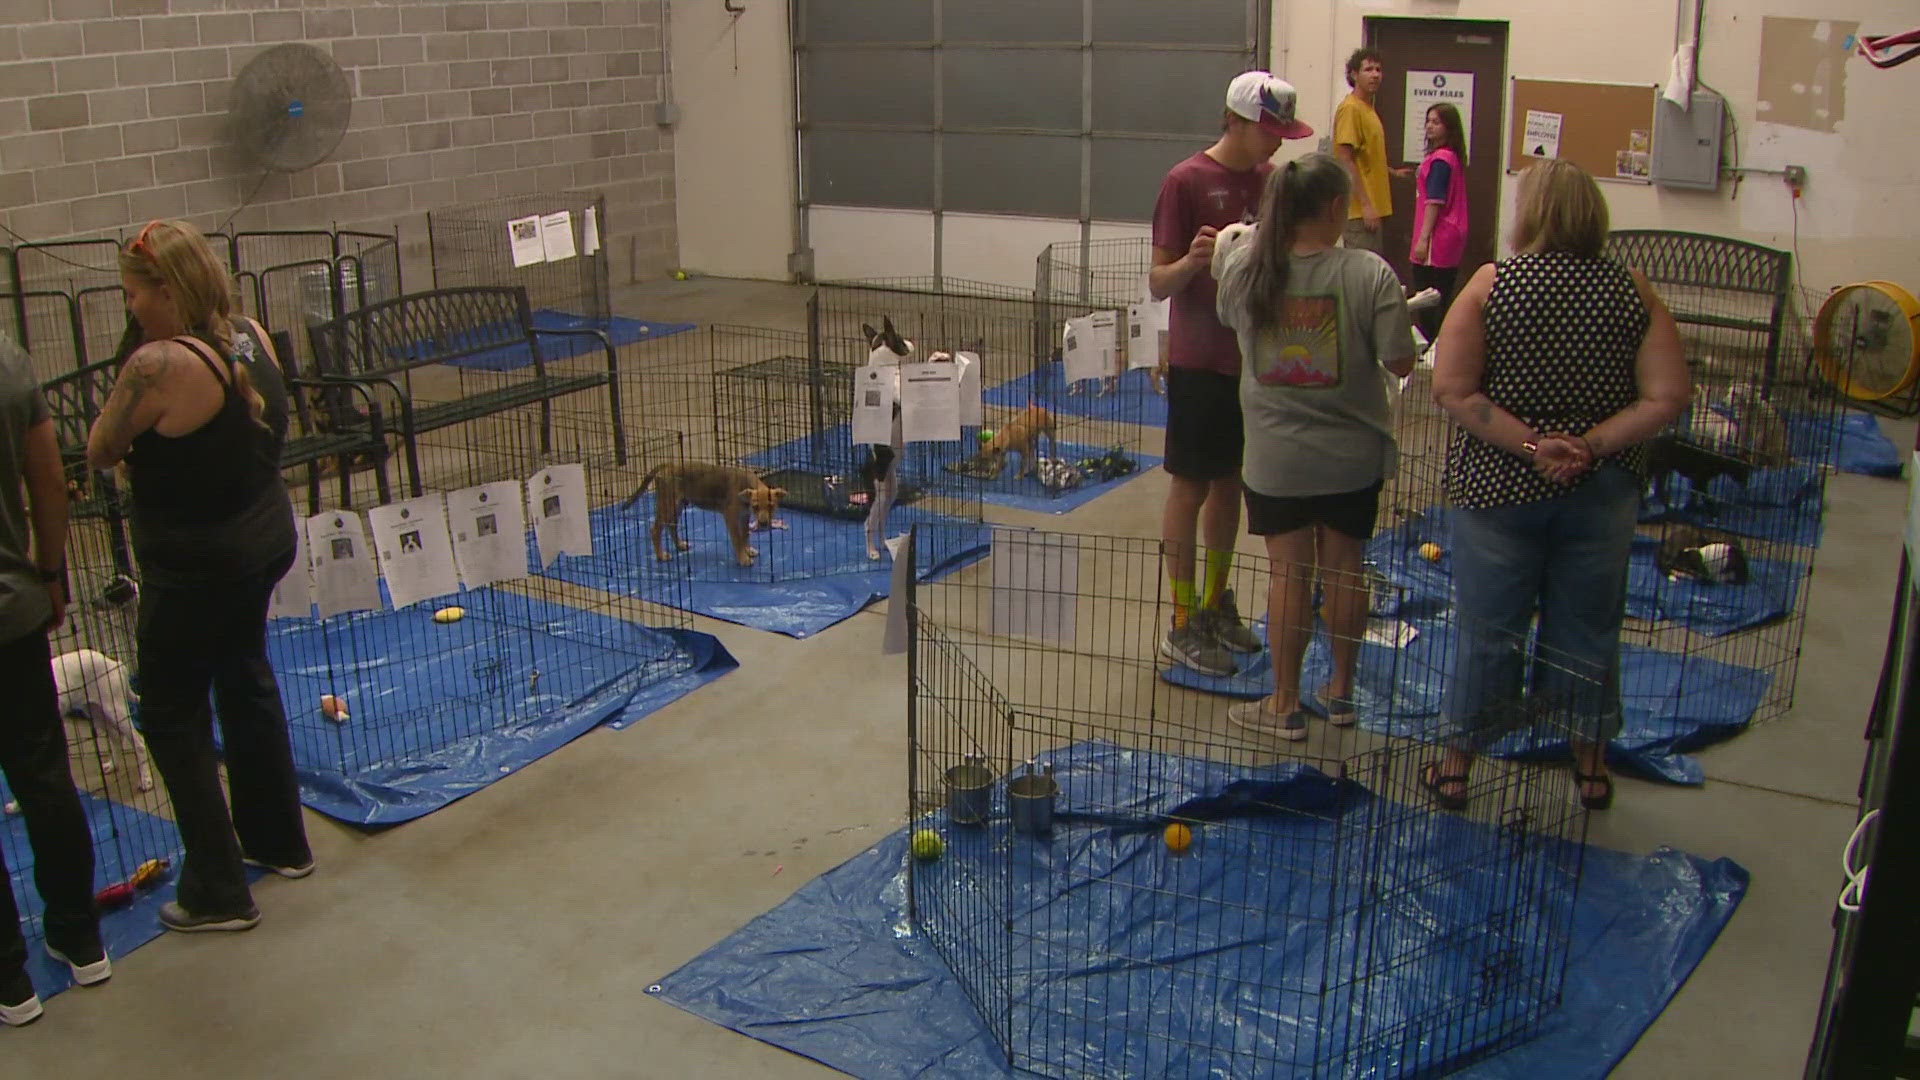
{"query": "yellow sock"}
pixel 1219 562
pixel 1182 602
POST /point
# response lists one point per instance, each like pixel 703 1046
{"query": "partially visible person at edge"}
pixel 1360 142
pixel 1319 325
pixel 1217 187
pixel 1440 213
pixel 33 741
pixel 199 414
pixel 1557 364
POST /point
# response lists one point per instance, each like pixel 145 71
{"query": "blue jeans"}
pixel 1567 558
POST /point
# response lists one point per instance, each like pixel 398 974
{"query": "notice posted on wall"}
pixel 556 236
pixel 1543 134
pixel 523 235
pixel 1425 89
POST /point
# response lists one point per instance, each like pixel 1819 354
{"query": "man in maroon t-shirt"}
pixel 1214 188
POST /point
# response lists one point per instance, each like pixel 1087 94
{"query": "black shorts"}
pixel 1350 513
pixel 1203 424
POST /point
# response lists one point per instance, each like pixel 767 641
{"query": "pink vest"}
pixel 1449 243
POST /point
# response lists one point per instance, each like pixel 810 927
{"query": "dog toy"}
pixel 1430 551
pixel 1108 466
pixel 1178 837
pixel 927 845
pixel 679 275
pixel 986 435
pixel 144 877
pixel 333 708
pixel 1056 474
pixel 450 614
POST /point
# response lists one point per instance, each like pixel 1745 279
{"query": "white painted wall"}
pixel 1860 217
pixel 734 170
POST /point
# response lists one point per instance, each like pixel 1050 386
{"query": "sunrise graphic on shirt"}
pixel 1303 347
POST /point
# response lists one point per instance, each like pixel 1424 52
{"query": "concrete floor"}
pixel 514 933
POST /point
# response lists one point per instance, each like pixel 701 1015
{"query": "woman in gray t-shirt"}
pixel 1317 324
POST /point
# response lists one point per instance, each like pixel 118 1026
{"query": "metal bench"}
pixel 381 344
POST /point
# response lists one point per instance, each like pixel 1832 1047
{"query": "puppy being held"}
pixel 742 500
pixel 92 686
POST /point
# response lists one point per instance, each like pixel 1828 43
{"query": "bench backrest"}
pixel 74 401
pixel 409 331
pixel 1731 291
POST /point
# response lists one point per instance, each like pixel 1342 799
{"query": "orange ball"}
pixel 1178 837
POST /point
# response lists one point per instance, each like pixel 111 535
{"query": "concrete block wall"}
pixel 113 112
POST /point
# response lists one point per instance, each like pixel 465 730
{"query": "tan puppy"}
pixel 741 499
pixel 1021 435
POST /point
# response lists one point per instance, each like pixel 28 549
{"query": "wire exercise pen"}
pixel 538 651
pixel 779 403
pixel 1124 883
pixel 491 243
pixel 1018 342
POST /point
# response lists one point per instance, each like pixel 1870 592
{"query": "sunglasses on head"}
pixel 140 246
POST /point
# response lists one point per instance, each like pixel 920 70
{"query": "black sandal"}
pixel 1602 801
pixel 1432 779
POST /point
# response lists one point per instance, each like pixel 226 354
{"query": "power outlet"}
pixel 1796 177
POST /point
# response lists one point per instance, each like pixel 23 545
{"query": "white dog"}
pixel 93 687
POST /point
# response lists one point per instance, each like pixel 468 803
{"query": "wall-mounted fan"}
pixel 1866 340
pixel 289 107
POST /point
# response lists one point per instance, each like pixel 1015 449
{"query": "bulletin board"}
pixel 1605 128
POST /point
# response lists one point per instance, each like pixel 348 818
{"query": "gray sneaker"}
pixel 1253 716
pixel 1196 647
pixel 1223 619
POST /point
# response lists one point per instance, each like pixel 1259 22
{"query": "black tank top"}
pixel 212 500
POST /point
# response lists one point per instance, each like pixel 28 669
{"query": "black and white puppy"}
pixel 1690 554
pixel 879 472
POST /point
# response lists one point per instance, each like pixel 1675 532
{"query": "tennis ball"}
pixel 1430 551
pixel 679 275
pixel 449 614
pixel 986 436
pixel 1179 838
pixel 927 845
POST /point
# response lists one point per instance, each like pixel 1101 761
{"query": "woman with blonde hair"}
pixel 199 415
pixel 1557 365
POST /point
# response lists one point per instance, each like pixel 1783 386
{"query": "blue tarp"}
pixel 467 702
pixel 808 576
pixel 1774 504
pixel 1853 438
pixel 618 328
pixel 1133 399
pixel 837 973
pixel 1705 608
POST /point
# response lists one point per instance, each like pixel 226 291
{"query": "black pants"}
pixel 193 640
pixel 1434 277
pixel 33 754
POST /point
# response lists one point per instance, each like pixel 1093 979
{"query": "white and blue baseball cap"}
pixel 1266 100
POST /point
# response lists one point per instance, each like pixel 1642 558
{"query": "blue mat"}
pixel 925 466
pixel 836 973
pixel 1671 703
pixel 1713 610
pixel 525 677
pixel 618 328
pixel 1774 504
pixel 1852 439
pixel 123 838
pixel 1132 401
pixel 808 577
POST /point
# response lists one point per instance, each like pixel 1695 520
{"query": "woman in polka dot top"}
pixel 1557 365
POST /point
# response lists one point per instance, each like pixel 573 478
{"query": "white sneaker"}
pixel 92 973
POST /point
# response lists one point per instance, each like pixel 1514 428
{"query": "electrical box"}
pixel 1686 142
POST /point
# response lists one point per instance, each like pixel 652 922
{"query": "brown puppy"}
pixel 1022 434
pixel 741 499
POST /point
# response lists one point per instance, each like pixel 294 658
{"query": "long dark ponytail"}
pixel 1298 190
pixel 1456 138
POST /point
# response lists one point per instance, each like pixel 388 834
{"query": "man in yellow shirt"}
pixel 1361 144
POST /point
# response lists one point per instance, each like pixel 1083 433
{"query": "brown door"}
pixel 1449 47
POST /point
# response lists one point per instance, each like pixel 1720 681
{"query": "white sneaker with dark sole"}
pixel 175 917
pixel 90 974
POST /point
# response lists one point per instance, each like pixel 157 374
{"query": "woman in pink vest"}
pixel 1440 212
